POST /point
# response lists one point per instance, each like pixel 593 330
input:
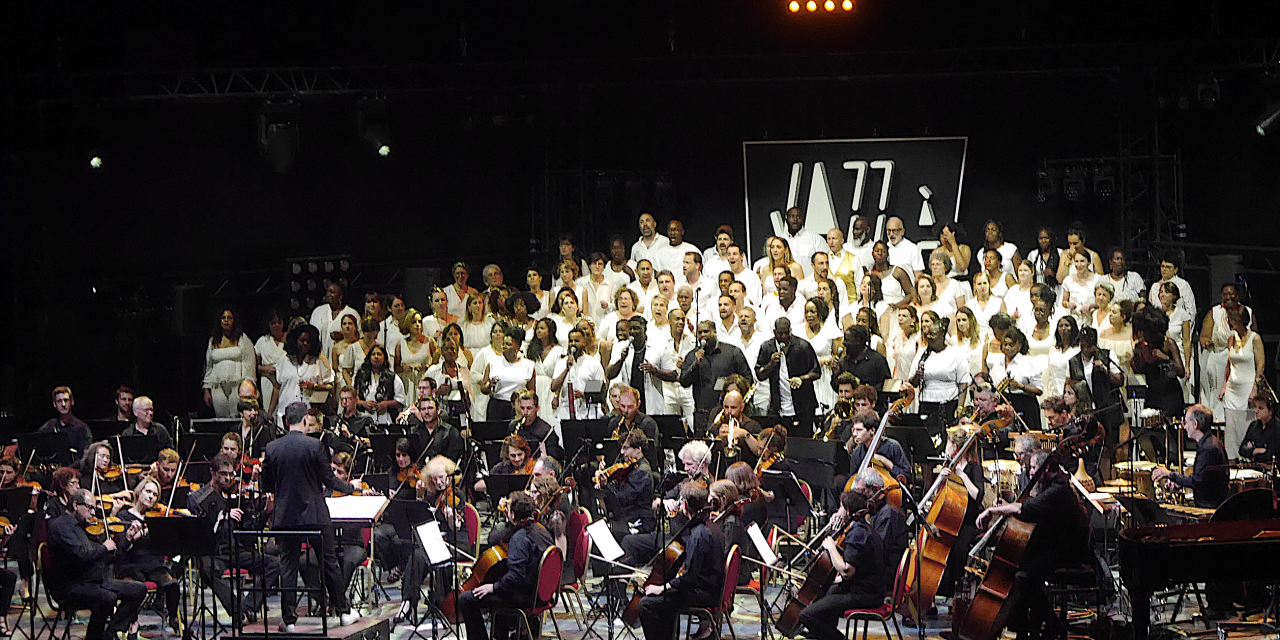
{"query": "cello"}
pixel 667 564
pixel 945 505
pixel 820 573
pixel 983 608
pixel 892 486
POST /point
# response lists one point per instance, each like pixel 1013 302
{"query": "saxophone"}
pixel 842 412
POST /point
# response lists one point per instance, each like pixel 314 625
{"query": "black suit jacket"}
pixel 1101 382
pixel 76 558
pixel 296 469
pixel 801 362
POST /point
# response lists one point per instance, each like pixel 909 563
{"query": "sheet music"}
pixel 365 508
pixel 433 542
pixel 762 545
pixel 603 538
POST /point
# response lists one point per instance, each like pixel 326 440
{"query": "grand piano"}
pixel 1153 557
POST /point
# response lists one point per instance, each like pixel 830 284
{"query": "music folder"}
pixel 603 539
pixel 357 508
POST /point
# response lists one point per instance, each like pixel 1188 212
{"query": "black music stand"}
pixel 48 447
pixel 384 448
pixel 200 473
pixel 489 435
pixel 816 466
pixel 914 437
pixel 501 485
pixel 15 502
pixel 786 488
pixel 105 429
pixel 139 449
pixel 214 425
pixel 669 428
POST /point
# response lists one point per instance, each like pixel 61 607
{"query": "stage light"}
pixel 1073 183
pixel 847 5
pixel 95 162
pixel 812 5
pixel 829 5
pixel 1104 182
pixel 794 7
pixel 384 150
pixel 372 125
pixel 1046 183
pixel 1268 119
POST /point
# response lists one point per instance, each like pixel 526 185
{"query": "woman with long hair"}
pixel 522 311
pixel 533 278
pixel 97 475
pixel 572 279
pixel 566 312
pixel 895 282
pixel 476 323
pixel 414 354
pixel 457 293
pixel 355 355
pixel 829 293
pixel 927 298
pixel 967 336
pixel 434 324
pixel 1117 336
pixel 304 375
pixel 903 344
pixel 229 359
pixel 1078 291
pixel 1020 375
pixel 983 304
pixel 137 556
pixel 777 253
pixel 545 351
pixel 1066 344
pixel 378 391
pixel 1017 300
pixel 1180 328
pixel 865 318
pixel 1044 258
pixel 1001 281
pixel 953 239
pixel 269 349
pixel 1246 362
pixel 350 335
pixel 826 341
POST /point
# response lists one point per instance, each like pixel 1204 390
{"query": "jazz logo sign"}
pixel 821 211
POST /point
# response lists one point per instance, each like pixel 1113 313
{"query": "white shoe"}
pixel 349 618
pixel 287 628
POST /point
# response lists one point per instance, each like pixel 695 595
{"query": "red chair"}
pixel 60 609
pixel 885 612
pixel 808 496
pixel 544 598
pixel 581 552
pixel 718 615
pixel 756 588
pixel 471 518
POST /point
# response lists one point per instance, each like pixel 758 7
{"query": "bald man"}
pixel 903 252
pixel 646 248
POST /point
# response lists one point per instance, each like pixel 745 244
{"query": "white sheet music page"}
pixel 762 545
pixel 600 534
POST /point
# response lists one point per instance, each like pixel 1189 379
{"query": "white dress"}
pixel 271 352
pixel 1055 377
pixel 476 336
pixel 999 286
pixel 901 351
pixel 1081 295
pixel 290 377
pixel 983 313
pixel 415 367
pixel 822 344
pixel 1213 360
pixel 480 401
pixel 891 288
pixel 1179 325
pixel 1235 400
pixel 224 369
pixel 457 301
pixel 602 292
pixel 542 369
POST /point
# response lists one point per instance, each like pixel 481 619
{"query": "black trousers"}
pixel 118 600
pixel 349 558
pixel 169 588
pixel 658 613
pixel 290 557
pixel 8 584
pixel 265 566
pixel 822 617
pixel 798 426
pixel 473 608
pixel 1033 616
pixel 500 410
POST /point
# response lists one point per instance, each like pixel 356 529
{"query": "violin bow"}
pixel 182 469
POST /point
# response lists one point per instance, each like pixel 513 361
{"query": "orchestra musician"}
pixel 65 482
pixel 516 460
pixel 889 521
pixel 1024 447
pixel 888 452
pixel 1261 443
pixel 103 478
pixel 255 427
pixel 535 431
pixel 82 571
pixel 78 435
pixel 144 411
pixel 629 416
pixel 970 473
pixel 296 471
pixel 986 407
pixel 434 487
pixel 515 588
pixel 1060 541
pixel 738 431
pixel 859 563
pixel 1210 475
pixel 350 420
pixel 698 583
pixel 851 399
pixel 222 510
pixel 755 512
pixel 1061 418
pixel 441 438
pixel 138 560
pixel 772 448
pixel 627 499
pixel 18 542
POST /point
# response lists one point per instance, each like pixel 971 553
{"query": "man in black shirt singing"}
pixel 704 366
pixel 865 363
pixel 1210 475
pixel 698 584
pixel 516 588
pixel 789 366
pixel 82 572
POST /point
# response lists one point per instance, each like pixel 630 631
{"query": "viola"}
pixel 617 471
pixel 665 566
pixel 112 472
pixel 94 526
pixel 527 468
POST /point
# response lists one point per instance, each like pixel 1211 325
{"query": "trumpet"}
pixel 731 442
pixel 842 412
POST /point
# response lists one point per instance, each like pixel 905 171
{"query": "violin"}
pixel 94 526
pixel 764 464
pixel 449 498
pixel 408 473
pixel 527 468
pixel 162 510
pixel 112 472
pixel 617 471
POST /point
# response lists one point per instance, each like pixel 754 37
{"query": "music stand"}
pixel 787 492
pixel 15 502
pixel 767 422
pixel 383 446
pixel 179 500
pixel 104 429
pixel 669 427
pixel 404 515
pixel 139 449
pixel 48 447
pixel 816 460
pixel 1146 513
pixel 214 425
pixel 206 445
pixel 501 485
pixel 490 435
pixel 200 472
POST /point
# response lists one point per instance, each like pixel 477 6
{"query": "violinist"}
pixel 350 545
pixel 888 453
pixel 64 482
pixel 222 513
pixel 137 560
pixel 516 588
pixel 755 512
pixel 435 487
pixel 8 582
pixel 165 470
pixel 773 447
pixel 517 460
pixel 533 429
pixel 1060 541
pixel 101 477
pixel 1061 418
pixel 19 541
pixel 82 570
pixel 1024 447
pixel 699 582
pixel 144 412
pixel 255 427
pixel 970 473
pixel 987 407
pixel 405 473
pixel 442 438
pixel 627 498
pixel 859 563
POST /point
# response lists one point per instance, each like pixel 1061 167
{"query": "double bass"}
pixel 945 505
pixel 669 563
pixel 983 609
pixel 892 486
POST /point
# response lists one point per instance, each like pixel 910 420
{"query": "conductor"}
pixel 296 470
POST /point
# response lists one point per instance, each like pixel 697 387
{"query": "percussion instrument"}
pixel 1151 418
pixel 1139 473
pixel 1245 479
pixel 1003 474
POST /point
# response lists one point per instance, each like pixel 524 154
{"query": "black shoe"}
pixel 1214 615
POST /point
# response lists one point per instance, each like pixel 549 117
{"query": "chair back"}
pixel 731 566
pixel 578 520
pixel 471 518
pixel 366 534
pixel 808 496
pixel 549 576
pixel 899 594
pixel 581 553
pixel 772 539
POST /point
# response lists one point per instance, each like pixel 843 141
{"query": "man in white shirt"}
pixel 580 371
pixel 703 287
pixel 802 241
pixel 650 242
pixel 328 316
pixel 1128 284
pixel 844 265
pixel 644 286
pixel 671 256
pixel 861 242
pixel 1170 265
pixel 667 288
pixel 492 274
pixel 750 281
pixel 822 269
pixel 717 256
pixel 903 252
pixel 617 270
pixel 787 305
pixel 727 330
pixel 750 337
pixel 656 364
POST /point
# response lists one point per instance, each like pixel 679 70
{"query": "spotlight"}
pixel 1268 119
pixel 794 6
pixel 1046 183
pixel 829 5
pixel 811 5
pixel 278 134
pixel 371 125
pixel 95 161
pixel 1073 183
pixel 847 5
pixel 1104 182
